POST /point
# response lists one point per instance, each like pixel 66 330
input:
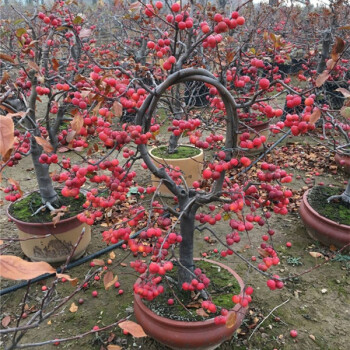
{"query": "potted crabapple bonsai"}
pixel 325 211
pixel 38 111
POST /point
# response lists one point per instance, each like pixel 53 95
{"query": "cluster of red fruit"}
pixel 251 141
pixel 180 126
pixel 12 193
pixel 51 19
pixel 197 284
pixel 46 159
pixel 214 170
pixel 42 90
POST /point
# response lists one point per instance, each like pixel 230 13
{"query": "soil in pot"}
pixel 41 238
pixel 181 152
pixel 23 209
pixel 221 289
pixel 337 211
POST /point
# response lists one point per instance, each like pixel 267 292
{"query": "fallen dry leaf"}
pixel 133 328
pixel 109 280
pixel 316 255
pixel 231 320
pixel 201 312
pixel 113 347
pixel 15 268
pixel 112 255
pixel 73 308
pixel 6 321
pixel 98 262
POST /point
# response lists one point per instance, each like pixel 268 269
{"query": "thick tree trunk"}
pixel 326 45
pixel 47 192
pixel 186 248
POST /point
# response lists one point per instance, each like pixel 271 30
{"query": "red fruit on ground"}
pixel 293 333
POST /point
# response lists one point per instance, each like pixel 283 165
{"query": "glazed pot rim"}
pixel 33 224
pixel 156 157
pixel 314 212
pixel 196 324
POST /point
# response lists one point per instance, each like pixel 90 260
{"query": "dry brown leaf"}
pixel 133 328
pixel 15 268
pixel 49 322
pixel 263 252
pixel 6 321
pixel 5 78
pixel 46 145
pixel 320 80
pixel 1 242
pixel 345 92
pixel 315 116
pixel 98 262
pixel 113 347
pixel 109 280
pixel 73 281
pixel 231 320
pixel 7 136
pixel 112 255
pixel 34 66
pixel 201 312
pixel 73 308
pixel 55 64
pixel 6 58
pixel 337 48
pixel 123 264
pixel 316 255
pixel 77 123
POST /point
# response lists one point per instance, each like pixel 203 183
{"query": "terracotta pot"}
pixel 201 335
pixel 261 130
pixel 322 229
pixel 191 167
pixel 56 247
pixel 343 161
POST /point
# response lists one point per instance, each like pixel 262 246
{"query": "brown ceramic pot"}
pixel 191 167
pixel 202 335
pixel 343 161
pixel 52 243
pixel 322 229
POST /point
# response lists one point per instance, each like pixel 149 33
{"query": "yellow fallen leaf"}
pixel 113 347
pixel 316 254
pixel 231 320
pixel 49 322
pixel 112 255
pixel 73 308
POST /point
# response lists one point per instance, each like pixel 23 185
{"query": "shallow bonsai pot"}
pixel 343 161
pixel 56 247
pixel 199 335
pixel 322 229
pixel 191 167
pixel 260 130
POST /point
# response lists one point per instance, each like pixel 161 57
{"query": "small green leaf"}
pixel 20 32
pixel 77 20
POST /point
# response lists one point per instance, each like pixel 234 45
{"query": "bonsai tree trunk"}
pixel 47 192
pixel 186 248
pixel 345 196
pixel 189 199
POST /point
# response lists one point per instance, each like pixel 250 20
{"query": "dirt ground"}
pixel 316 304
